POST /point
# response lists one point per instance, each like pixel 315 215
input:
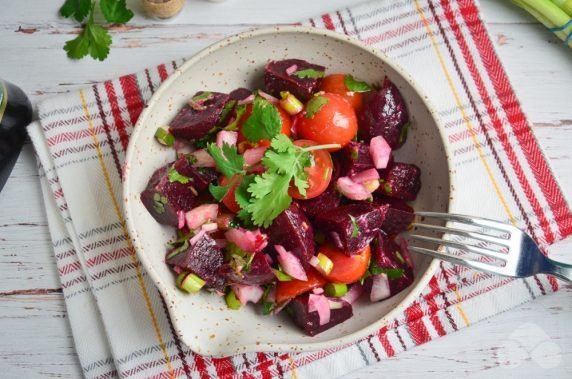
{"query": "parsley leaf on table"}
pixel 264 121
pixel 94 40
pixel 115 11
pixel 78 9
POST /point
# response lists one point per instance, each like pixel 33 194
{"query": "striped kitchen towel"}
pixel 120 323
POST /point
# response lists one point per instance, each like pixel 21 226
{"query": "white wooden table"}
pixel 35 340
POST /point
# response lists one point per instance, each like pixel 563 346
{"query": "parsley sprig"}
pixel 264 196
pixel 94 39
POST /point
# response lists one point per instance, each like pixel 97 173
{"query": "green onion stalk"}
pixel 554 14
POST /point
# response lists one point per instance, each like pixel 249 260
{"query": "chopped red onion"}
pixel 365 176
pixel 280 307
pixel 225 136
pixel 336 303
pixel 268 97
pixel 318 291
pixel 246 293
pixel 379 288
pixel 210 227
pixel 380 151
pixel 292 69
pixel 181 219
pixel 255 155
pixel 353 294
pixel 182 148
pixel 351 189
pixel 201 214
pixel 247 240
pixel 290 263
pixel 314 261
pixel 197 237
pixel 247 100
pixel 320 304
pixel 203 158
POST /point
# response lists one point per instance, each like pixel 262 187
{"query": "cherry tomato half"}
pixel 284 117
pixel 347 268
pixel 319 174
pixel 291 289
pixel 229 200
pixel 328 118
pixel 336 83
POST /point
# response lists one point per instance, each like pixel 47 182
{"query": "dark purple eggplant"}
pixel 259 272
pixel 277 79
pixel 384 114
pixel 350 227
pixel 400 180
pixel 200 116
pixel 203 258
pixel 293 230
pixel 310 321
pixel 163 198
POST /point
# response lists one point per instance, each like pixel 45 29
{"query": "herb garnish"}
pixel 355 85
pixel 314 105
pixel 355 227
pixel 309 73
pixel 264 122
pixel 94 39
pixel 175 176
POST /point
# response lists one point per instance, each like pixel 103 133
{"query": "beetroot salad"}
pixel 289 197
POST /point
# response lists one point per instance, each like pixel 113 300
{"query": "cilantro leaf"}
pixel 175 176
pixel 271 192
pixel 355 228
pixel 94 40
pixel 227 160
pixel 243 197
pixel 264 121
pixel 355 85
pixel 309 73
pixel 282 144
pixel 219 192
pixel 115 11
pixel 314 105
pixel 78 9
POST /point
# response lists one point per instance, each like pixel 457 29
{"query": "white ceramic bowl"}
pixel 203 321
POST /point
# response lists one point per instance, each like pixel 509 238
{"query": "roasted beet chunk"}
pixel 259 271
pixel 199 177
pixel 164 197
pixel 329 199
pixel 397 215
pixel 296 76
pixel 393 261
pixel 384 114
pixel 310 321
pixel 401 181
pixel 350 227
pixel 294 232
pixel 356 158
pixel 203 258
pixel 198 117
pixel 240 94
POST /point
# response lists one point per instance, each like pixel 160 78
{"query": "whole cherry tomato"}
pixel 336 83
pixel 319 174
pixel 328 118
pixel 347 268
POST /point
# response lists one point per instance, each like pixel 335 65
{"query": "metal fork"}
pixel 516 255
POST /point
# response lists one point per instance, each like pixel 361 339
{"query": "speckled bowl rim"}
pixel 163 287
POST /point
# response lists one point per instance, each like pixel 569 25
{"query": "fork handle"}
pixel 559 269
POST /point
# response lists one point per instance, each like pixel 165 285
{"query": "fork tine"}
pixel 465 233
pixel 454 259
pixel 478 221
pixel 472 249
